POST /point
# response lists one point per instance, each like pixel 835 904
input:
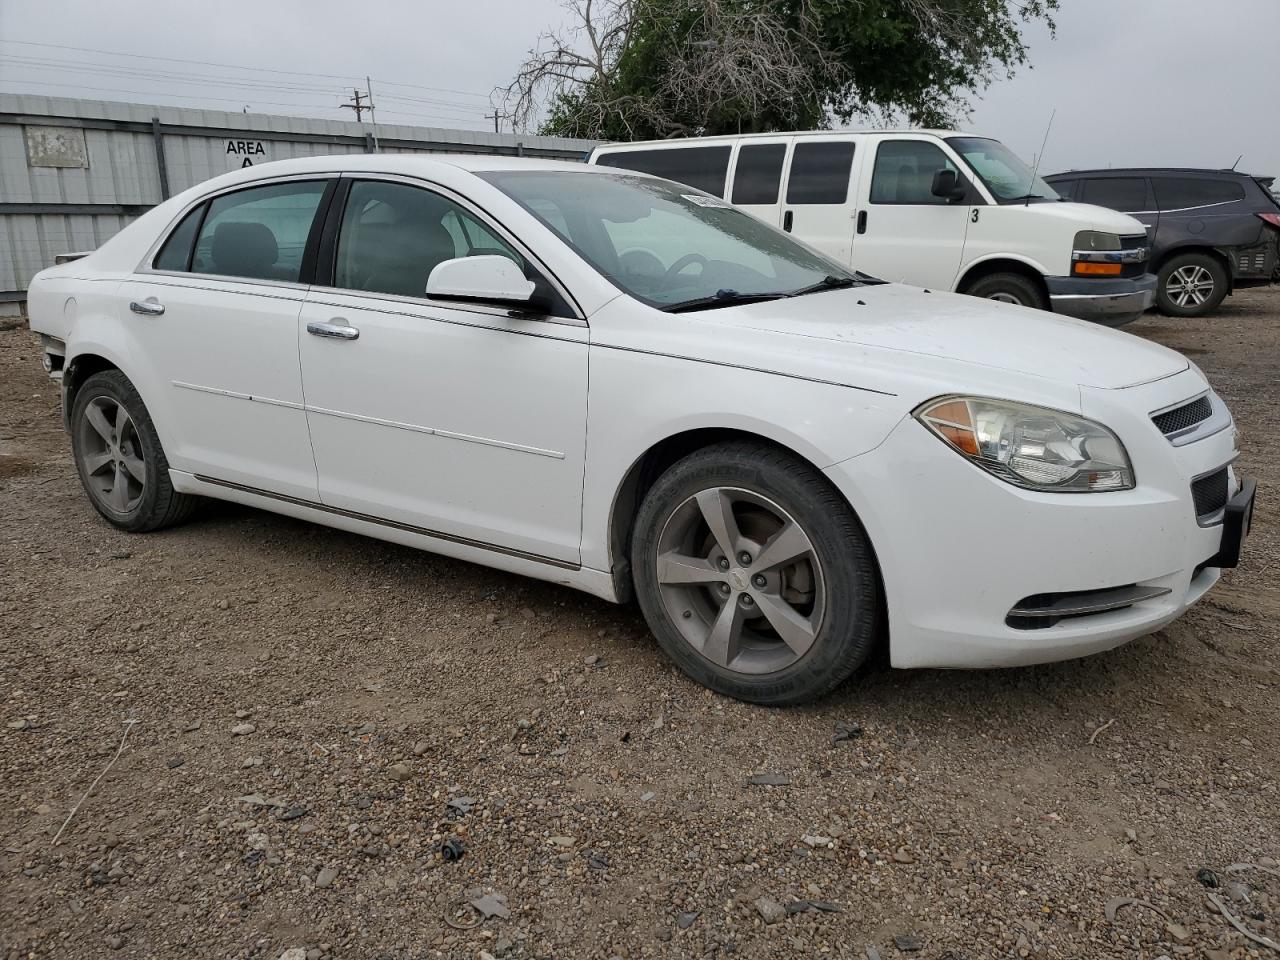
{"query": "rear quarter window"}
pixel 1183 193
pixel 704 168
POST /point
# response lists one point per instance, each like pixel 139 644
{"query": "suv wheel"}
pixel 1191 285
pixel 119 458
pixel 1009 288
pixel 755 576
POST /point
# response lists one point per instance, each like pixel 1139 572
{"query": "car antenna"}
pixel 1238 159
pixel 1026 202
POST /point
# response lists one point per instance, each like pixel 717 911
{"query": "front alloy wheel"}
pixel 740 579
pixel 754 574
pixel 1191 285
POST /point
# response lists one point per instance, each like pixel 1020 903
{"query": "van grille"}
pixel 1209 494
pixel 1180 418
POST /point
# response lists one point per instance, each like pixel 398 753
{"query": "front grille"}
pixel 1180 418
pixel 1209 493
pixel 1135 242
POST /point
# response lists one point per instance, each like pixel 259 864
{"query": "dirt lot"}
pixel 975 815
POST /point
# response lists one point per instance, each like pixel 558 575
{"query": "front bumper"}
pixel 959 549
pixel 1111 302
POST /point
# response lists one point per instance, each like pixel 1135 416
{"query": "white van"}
pixel 934 208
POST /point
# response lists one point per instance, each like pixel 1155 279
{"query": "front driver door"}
pixel 458 419
pixel 905 233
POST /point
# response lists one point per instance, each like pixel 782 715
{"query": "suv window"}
pixel 758 174
pixel 704 168
pixel 1126 194
pixel 820 172
pixel 904 171
pixel 259 233
pixel 1180 193
pixel 393 235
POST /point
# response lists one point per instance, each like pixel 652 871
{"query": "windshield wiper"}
pixel 826 283
pixel 1026 196
pixel 721 298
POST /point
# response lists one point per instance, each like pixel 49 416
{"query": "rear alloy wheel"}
pixel 119 458
pixel 1191 285
pixel 755 576
pixel 1009 288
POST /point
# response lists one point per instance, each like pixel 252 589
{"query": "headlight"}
pixel 1032 447
pixel 1093 240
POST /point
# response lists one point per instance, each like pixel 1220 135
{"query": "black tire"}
pixel 1175 298
pixel 157 504
pixel 849 624
pixel 1010 288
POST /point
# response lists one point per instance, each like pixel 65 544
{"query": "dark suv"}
pixel 1211 230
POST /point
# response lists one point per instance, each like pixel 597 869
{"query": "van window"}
pixel 1126 194
pixel 260 232
pixel 1179 193
pixel 904 172
pixel 820 172
pixel 704 168
pixel 758 174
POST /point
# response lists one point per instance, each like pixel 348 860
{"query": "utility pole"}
pixel 495 117
pixel 373 117
pixel 359 105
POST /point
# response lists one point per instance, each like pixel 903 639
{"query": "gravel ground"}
pixel 311 714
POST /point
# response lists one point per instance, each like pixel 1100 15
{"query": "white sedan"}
pixel 627 386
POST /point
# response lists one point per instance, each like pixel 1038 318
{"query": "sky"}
pixel 1133 82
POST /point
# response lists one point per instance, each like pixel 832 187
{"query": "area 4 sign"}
pixel 249 150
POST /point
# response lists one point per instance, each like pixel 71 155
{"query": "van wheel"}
pixel 119 458
pixel 1191 285
pixel 1009 288
pixel 755 576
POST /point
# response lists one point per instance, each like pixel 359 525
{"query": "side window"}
pixel 1126 194
pixel 1180 193
pixel 820 172
pixel 758 173
pixel 393 235
pixel 176 252
pixel 260 232
pixel 704 168
pixel 904 171
pixel 1067 189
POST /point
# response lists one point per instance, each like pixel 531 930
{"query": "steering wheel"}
pixel 688 260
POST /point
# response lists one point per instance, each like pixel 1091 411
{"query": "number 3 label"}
pixel 974 218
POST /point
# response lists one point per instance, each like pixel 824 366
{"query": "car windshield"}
pixel 1006 176
pixel 668 245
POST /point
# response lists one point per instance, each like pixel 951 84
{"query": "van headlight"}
pixel 1032 447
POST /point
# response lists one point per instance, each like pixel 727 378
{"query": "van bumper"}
pixel 1109 302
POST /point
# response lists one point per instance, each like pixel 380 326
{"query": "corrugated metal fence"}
pixel 73 172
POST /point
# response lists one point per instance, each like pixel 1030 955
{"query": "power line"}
pixel 234 66
pixel 194 79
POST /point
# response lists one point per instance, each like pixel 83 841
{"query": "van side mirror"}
pixel 489 278
pixel 948 186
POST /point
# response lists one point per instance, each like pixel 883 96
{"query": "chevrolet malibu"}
pixel 629 387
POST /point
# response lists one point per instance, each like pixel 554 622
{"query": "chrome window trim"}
pixel 145 266
pixel 425 303
pixel 486 218
pixel 1218 420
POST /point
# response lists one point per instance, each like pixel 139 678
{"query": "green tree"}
pixel 636 69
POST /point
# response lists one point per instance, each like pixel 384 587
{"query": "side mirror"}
pixel 490 277
pixel 948 186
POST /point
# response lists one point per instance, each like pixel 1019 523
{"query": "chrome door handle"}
pixel 336 329
pixel 148 308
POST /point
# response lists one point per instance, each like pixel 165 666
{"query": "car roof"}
pixel 407 164
pixel 1149 171
pixel 730 137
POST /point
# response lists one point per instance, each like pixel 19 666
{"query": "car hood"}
pixel 1087 216
pixel 962 329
